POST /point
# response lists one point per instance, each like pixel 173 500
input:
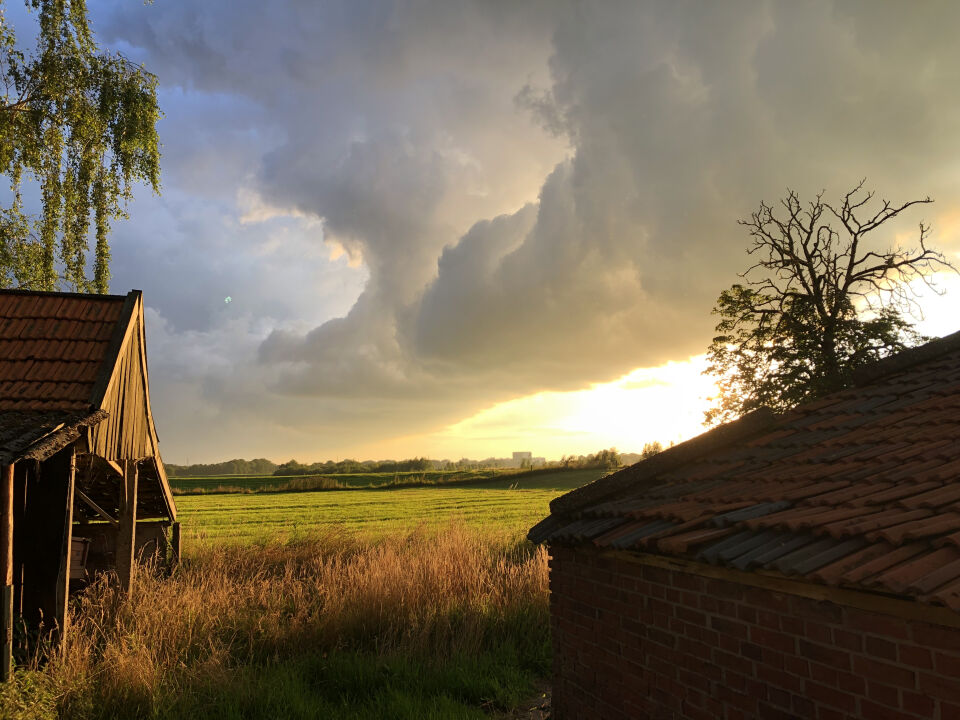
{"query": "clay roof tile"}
pixel 858 489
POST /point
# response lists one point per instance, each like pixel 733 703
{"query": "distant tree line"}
pixel 292 467
pixel 607 459
pixel 603 459
pixel 649 450
pixel 258 466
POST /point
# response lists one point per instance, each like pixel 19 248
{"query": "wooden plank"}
pixel 21 478
pixel 65 434
pixel 6 572
pixel 136 417
pixel 175 543
pixel 63 577
pixel 146 382
pixel 96 508
pixel 126 532
pixel 112 449
pixel 117 341
pixel 165 487
pixel 6 525
pixel 104 431
pixel 115 465
pixel 154 438
pixel 47 507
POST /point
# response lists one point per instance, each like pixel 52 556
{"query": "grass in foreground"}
pixel 447 624
pixel 407 603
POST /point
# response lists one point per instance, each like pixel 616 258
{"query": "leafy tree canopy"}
pixel 81 124
pixel 819 301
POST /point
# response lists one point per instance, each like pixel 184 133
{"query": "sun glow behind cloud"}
pixel 941 313
pixel 664 403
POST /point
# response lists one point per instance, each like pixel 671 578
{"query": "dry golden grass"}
pixel 428 595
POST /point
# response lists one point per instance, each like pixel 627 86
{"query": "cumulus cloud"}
pixel 542 195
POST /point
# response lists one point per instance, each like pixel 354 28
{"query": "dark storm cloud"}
pixel 543 195
pixel 681 118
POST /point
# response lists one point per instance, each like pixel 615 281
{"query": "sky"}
pixel 467 227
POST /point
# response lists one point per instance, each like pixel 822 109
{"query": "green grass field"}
pixel 505 504
pixel 215 483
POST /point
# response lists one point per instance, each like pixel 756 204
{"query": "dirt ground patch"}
pixel 536 707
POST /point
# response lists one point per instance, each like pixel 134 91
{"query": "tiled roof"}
pixel 52 346
pixel 38 433
pixel 860 489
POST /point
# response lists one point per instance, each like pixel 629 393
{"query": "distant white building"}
pixel 520 457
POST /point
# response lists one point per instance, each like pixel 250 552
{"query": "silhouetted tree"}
pixel 650 449
pixel 820 301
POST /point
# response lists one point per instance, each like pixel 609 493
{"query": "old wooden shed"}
pixel 82 484
pixel 805 565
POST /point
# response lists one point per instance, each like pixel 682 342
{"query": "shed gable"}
pixel 127 433
pixel 74 366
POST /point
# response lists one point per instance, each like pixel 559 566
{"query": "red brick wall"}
pixel 633 641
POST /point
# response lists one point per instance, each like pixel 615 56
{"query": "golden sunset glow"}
pixel 647 404
pixel 664 403
pixel 941 313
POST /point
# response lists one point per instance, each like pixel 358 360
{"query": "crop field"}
pixel 504 505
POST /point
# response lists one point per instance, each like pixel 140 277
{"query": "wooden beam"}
pixel 6 572
pixel 118 341
pixel 164 483
pixel 115 465
pixel 96 508
pixel 127 529
pixel 175 544
pixel 63 577
pixel 154 439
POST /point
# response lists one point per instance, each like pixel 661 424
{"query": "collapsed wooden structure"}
pixel 82 485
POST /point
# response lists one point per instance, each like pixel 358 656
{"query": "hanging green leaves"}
pixel 78 126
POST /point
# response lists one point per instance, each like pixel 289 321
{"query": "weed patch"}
pixel 425 624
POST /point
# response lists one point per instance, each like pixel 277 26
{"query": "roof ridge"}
pixel 57 293
pixel 751 424
pixel 755 423
pixel 892 364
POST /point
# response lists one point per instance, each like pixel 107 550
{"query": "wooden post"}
pixel 63 577
pixel 127 531
pixel 6 572
pixel 175 544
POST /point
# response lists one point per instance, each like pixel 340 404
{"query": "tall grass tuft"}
pixel 421 624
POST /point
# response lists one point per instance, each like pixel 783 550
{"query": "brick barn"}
pixel 82 485
pixel 804 565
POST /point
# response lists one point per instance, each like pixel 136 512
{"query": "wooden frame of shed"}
pixel 82 484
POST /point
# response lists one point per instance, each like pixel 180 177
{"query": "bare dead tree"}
pixel 821 299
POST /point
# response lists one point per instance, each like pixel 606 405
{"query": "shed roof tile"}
pixel 859 489
pixel 52 346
